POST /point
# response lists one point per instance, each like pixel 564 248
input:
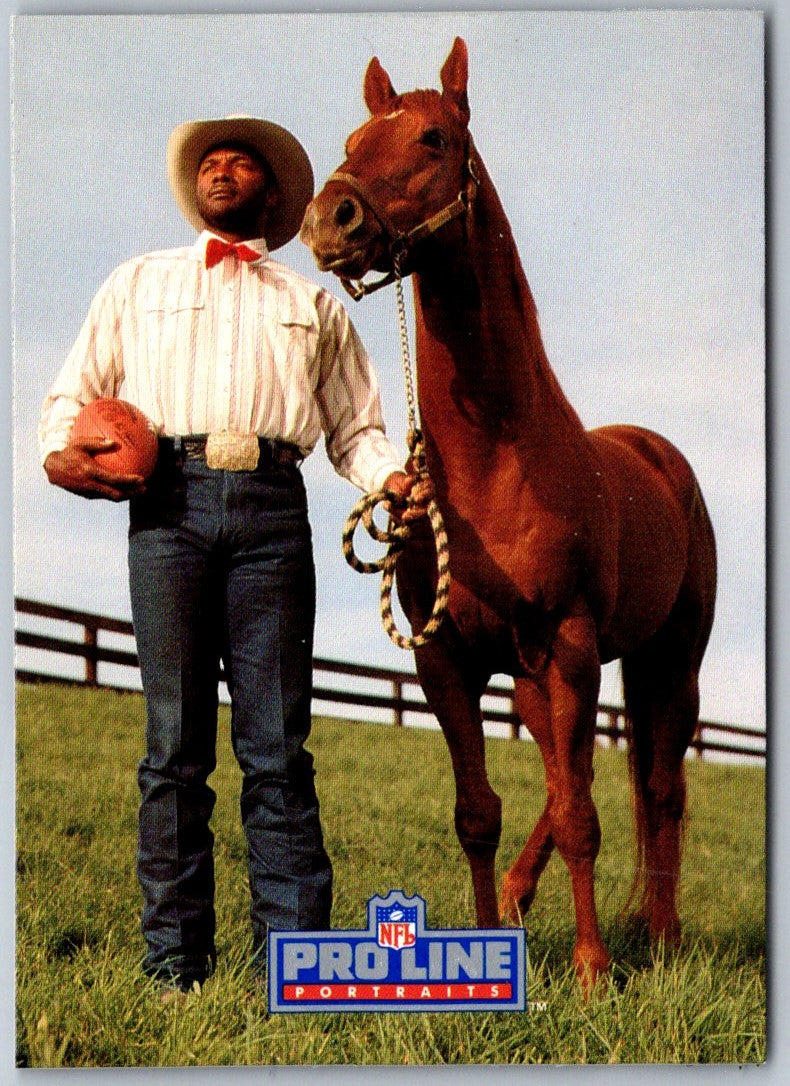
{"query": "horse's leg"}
pixel 662 701
pixel 453 689
pixel 573 679
pixel 520 882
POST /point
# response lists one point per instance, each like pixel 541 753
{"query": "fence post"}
pixel 90 639
pixel 397 695
pixel 698 736
pixel 614 724
pixel 515 725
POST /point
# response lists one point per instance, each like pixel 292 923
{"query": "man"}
pixel 239 363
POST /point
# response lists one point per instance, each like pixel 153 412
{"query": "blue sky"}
pixel 627 149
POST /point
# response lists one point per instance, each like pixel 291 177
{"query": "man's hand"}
pixel 76 469
pixel 405 487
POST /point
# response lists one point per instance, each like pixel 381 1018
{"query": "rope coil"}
pixel 395 537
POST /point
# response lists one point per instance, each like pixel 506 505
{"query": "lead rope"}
pixel 395 535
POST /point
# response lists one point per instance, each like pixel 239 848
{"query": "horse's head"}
pixel 409 172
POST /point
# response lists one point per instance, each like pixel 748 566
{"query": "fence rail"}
pixel 710 737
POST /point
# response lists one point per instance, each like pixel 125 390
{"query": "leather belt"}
pixel 271 453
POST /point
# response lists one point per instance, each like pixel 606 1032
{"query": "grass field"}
pixel 387 798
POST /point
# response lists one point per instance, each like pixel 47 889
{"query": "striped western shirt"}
pixel 250 347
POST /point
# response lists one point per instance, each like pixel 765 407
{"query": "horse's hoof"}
pixel 514 906
pixel 591 964
pixel 666 929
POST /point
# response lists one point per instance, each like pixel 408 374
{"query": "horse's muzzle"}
pixel 343 239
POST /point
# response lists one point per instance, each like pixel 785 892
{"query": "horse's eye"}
pixel 436 139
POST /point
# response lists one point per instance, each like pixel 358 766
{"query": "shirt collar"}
pixel 258 244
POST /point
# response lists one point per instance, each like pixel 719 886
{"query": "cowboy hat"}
pixel 286 157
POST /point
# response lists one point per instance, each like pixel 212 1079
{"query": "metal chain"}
pixel 403 331
pixel 396 535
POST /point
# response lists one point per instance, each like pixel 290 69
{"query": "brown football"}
pixel 137 447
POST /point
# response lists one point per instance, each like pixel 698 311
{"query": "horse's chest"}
pixel 512 575
pixel 512 559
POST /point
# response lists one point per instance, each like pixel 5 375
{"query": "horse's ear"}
pixel 455 75
pixel 378 90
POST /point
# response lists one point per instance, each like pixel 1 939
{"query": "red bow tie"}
pixel 217 250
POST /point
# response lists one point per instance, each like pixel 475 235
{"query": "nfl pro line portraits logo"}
pixel 398 964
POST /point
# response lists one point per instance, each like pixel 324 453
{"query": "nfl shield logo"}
pixel 396 926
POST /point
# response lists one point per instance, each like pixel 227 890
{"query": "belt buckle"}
pixel 231 451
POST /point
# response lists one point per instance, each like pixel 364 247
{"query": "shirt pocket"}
pixel 295 343
pixel 171 328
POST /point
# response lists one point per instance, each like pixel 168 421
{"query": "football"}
pixel 137 447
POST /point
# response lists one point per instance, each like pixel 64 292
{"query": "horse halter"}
pixel 401 241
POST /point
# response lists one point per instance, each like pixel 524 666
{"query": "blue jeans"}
pixel 221 567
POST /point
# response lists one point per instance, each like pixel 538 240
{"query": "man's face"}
pixel 233 189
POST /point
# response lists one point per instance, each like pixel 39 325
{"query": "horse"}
pixel 568 548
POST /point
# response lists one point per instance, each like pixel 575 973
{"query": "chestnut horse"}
pixel 568 548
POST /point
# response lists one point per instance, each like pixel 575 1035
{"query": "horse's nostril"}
pixel 345 212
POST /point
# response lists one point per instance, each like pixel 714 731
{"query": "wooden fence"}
pixel 396 692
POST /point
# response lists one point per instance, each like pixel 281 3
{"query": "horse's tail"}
pixel 653 725
pixel 661 695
